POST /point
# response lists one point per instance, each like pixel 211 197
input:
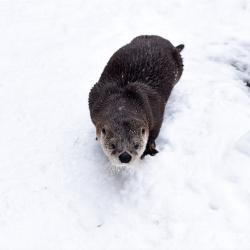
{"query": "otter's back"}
pixel 150 60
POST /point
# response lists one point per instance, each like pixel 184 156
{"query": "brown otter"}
pixel 127 103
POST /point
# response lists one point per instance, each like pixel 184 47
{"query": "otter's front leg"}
pixel 150 149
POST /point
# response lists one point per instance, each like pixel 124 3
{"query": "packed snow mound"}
pixel 57 188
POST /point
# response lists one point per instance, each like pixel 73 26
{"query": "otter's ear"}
pixel 143 131
pixel 180 47
pixel 98 130
pixel 96 137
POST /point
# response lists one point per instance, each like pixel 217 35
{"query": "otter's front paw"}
pixel 150 150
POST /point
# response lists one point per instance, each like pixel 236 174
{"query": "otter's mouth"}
pixel 123 160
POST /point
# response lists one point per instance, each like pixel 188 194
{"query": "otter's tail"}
pixel 180 47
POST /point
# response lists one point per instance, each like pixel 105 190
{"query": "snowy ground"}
pixel 55 188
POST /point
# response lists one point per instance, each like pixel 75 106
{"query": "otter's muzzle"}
pixel 125 157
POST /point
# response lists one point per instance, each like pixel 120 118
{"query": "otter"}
pixel 127 103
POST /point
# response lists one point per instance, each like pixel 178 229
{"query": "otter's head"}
pixel 123 141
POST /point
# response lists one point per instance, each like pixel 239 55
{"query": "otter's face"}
pixel 125 143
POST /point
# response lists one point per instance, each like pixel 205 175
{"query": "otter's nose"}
pixel 125 157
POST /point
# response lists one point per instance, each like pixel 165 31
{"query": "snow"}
pixel 56 187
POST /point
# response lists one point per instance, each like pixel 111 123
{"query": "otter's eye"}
pixel 143 131
pixel 113 146
pixel 104 131
pixel 136 146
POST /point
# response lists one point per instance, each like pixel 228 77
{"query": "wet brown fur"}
pixel 141 76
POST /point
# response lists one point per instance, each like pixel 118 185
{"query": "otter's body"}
pixel 129 99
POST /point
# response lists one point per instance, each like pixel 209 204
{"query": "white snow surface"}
pixel 56 187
